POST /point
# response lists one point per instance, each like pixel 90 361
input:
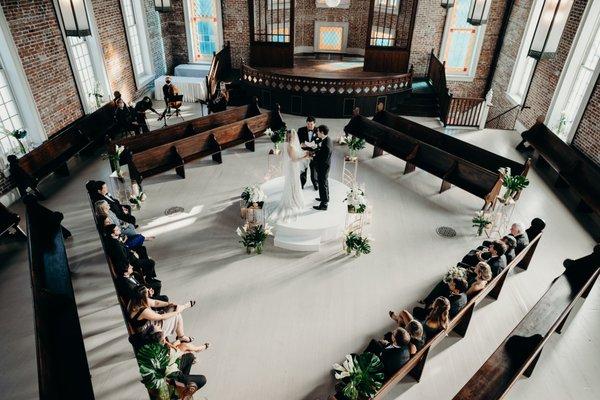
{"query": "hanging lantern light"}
pixel 549 28
pixel 447 3
pixel 73 14
pixel 479 12
pixel 162 5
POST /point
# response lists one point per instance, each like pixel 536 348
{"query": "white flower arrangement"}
pixel 357 202
pixel 455 272
pixel 137 196
pixel 253 195
pixel 344 370
pixel 254 236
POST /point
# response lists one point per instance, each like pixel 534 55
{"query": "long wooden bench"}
pixel 466 151
pixel 460 323
pixel 176 153
pixel 573 169
pixel 9 222
pixel 63 370
pixel 518 355
pixel 53 154
pixel 135 144
pixel 452 169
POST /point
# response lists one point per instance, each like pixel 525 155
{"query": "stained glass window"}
pixel 330 38
pixel 460 49
pixel 205 29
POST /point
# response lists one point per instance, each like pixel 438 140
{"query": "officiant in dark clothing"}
pixel 140 113
pixel 308 134
pixel 322 162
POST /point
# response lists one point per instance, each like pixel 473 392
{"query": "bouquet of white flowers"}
pixel 455 272
pixel 253 237
pixel 357 202
pixel 253 196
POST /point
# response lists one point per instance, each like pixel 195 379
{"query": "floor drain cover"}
pixel 445 231
pixel 173 210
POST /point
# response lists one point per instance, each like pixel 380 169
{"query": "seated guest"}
pixel 417 336
pixel 103 210
pixel 142 315
pixel 497 260
pixel 122 211
pixel 132 242
pixel 127 284
pixel 510 244
pixel 125 118
pixel 121 255
pixel 482 275
pixel 436 320
pixel 396 353
pixel 519 233
pixel 456 294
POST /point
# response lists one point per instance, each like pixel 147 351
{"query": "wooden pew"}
pixel 10 221
pixel 452 169
pixel 518 355
pixel 63 371
pixel 460 323
pixel 53 154
pixel 176 153
pixel 573 169
pixel 135 144
pixel 466 151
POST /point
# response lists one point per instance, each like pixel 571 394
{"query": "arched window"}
pixel 137 37
pixel 461 45
pixel 204 29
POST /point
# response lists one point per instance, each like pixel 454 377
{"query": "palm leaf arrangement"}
pixel 357 244
pixel 361 375
pixel 16 134
pixel 153 360
pixel 355 144
pixel 513 183
pixel 481 221
pixel 253 237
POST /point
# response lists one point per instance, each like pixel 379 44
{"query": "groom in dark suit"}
pixel 308 134
pixel 322 162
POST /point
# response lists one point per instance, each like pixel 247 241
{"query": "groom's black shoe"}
pixel 317 199
pixel 320 207
pixel 315 187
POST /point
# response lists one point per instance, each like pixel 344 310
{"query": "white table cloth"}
pixel 192 70
pixel 192 89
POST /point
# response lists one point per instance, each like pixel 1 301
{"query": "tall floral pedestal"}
pixel 120 185
pixel 253 215
pixel 274 164
pixel 350 171
pixel 501 216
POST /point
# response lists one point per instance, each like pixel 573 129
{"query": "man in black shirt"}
pixel 518 231
pixel 168 92
pixel 140 113
pixel 307 134
pixel 127 284
pixel 120 255
pixel 122 211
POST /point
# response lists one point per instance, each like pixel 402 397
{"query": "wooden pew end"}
pixel 521 348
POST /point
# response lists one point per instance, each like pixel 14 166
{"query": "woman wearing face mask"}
pixel 168 91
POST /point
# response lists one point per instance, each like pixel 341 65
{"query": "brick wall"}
pixel 236 29
pixel 427 34
pixel 587 136
pixel 38 39
pixel 174 36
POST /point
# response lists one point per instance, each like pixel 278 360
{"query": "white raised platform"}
pixel 312 227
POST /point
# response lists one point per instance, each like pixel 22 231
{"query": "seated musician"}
pixel 168 92
pixel 23 180
pixel 219 102
pixel 140 113
pixel 117 96
pixel 125 118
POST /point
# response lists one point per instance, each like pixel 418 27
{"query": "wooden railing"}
pixel 219 67
pixel 307 85
pixel 454 111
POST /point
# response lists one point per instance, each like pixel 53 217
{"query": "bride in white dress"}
pixel 291 203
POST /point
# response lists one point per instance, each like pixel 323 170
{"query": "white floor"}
pixel 277 321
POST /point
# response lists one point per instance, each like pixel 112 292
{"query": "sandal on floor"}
pixel 192 303
pixel 186 339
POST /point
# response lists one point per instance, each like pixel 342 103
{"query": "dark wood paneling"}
pixel 266 54
pixel 386 59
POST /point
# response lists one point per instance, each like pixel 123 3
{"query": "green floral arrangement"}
pixel 277 137
pixel 153 360
pixel 114 159
pixel 357 202
pixel 513 183
pixel 16 134
pixel 361 375
pixel 97 95
pixel 253 196
pixel 480 221
pixel 357 244
pixel 253 237
pixel 355 144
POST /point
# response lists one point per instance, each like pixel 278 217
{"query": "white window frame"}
pixel 96 55
pixel 518 76
pixel 19 85
pixel 476 51
pixel 139 14
pixel 187 13
pixel 572 66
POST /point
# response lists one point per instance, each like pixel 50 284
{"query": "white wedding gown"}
pixel 292 202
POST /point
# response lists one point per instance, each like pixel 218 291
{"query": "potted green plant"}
pixel 513 183
pixel 480 221
pixel 355 144
pixel 16 134
pixel 254 237
pixel 356 243
pixel 153 360
pixel 360 376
